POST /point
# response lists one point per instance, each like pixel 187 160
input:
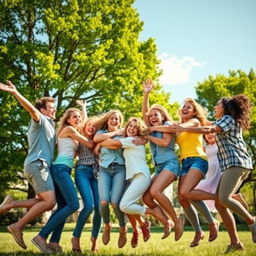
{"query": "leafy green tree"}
pixel 215 87
pixel 70 49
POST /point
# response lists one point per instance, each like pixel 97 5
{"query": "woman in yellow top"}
pixel 194 168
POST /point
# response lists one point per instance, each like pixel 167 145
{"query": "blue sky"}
pixel 198 38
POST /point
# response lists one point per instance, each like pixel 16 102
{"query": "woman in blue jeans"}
pixel 87 185
pixel 66 194
pixel 111 174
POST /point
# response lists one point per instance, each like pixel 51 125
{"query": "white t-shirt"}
pixel 135 158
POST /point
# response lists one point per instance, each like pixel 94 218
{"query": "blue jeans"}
pixel 111 187
pixel 67 202
pixel 87 186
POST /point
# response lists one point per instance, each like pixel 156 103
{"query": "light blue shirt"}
pixel 108 156
pixel 41 140
pixel 162 154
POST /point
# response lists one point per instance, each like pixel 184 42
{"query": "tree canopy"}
pixel 70 49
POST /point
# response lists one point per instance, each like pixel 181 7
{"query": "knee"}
pixel 183 200
pixel 50 204
pixel 74 206
pixel 184 193
pixel 147 198
pixel 154 192
pixel 104 204
pixel 114 205
pixel 123 206
pixel 88 208
pixel 223 200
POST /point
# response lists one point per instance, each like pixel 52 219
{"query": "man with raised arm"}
pixel 41 140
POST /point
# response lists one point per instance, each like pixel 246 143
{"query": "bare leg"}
pixel 163 180
pixel 46 201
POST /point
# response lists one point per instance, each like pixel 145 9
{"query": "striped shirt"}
pixel 231 146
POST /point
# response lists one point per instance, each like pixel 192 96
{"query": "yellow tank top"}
pixel 190 144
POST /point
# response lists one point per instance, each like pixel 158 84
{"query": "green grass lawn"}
pixel 154 246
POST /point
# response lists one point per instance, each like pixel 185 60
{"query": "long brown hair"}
pixel 200 112
pixel 101 123
pixel 63 120
pixel 140 124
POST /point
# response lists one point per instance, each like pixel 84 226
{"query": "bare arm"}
pixel 147 87
pixel 111 144
pixel 82 104
pixel 163 142
pixel 175 127
pixel 34 113
pixel 99 137
pixel 69 131
pixel 203 129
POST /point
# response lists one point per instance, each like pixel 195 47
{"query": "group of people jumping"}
pixel 111 169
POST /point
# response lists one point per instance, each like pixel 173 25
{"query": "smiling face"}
pixel 114 122
pixel 49 111
pixel 74 119
pixel 132 129
pixel 210 138
pixel 90 128
pixel 187 112
pixel 155 117
pixel 219 110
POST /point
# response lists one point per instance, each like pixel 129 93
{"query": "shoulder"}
pixel 101 131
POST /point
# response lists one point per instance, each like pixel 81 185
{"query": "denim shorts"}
pixel 38 175
pixel 196 162
pixel 171 165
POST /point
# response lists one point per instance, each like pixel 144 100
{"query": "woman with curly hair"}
pixel 233 116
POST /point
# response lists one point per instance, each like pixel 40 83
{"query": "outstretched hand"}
pixel 147 85
pixel 81 103
pixel 8 88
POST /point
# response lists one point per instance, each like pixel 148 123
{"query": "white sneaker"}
pixel 252 227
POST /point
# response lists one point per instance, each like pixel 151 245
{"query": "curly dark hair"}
pixel 240 108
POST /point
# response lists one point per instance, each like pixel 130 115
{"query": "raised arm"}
pixel 10 88
pixel 83 104
pixel 147 87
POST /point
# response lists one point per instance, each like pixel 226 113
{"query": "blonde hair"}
pixel 163 111
pixel 140 124
pixel 200 112
pixel 63 120
pixel 101 123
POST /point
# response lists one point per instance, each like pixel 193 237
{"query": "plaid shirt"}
pixel 231 146
pixel 86 155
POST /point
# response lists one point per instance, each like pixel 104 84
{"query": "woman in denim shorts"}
pixel 166 162
pixel 194 168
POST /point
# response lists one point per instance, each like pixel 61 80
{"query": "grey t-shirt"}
pixel 41 140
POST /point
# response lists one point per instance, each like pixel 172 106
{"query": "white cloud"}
pixel 176 70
